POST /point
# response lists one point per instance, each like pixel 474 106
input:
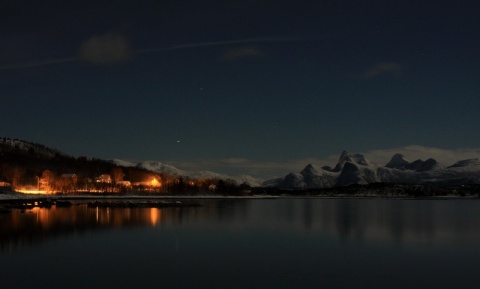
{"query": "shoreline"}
pixel 15 197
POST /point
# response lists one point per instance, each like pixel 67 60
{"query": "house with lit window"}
pixel 105 178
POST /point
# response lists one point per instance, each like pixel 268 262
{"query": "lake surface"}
pixel 245 243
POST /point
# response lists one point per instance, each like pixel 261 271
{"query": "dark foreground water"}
pixel 284 243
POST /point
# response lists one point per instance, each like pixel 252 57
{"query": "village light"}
pixel 155 183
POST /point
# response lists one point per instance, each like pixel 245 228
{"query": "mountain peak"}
pixel 309 170
pixel 398 161
pixel 346 157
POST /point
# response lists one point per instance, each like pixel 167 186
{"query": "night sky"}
pixel 251 86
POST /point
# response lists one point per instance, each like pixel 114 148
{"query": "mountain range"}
pixel 356 169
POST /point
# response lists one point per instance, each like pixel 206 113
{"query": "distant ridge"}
pixel 163 168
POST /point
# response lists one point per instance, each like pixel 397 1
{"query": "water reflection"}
pixel 31 226
pixel 420 222
pixel 284 243
pixel 28 227
pixel 347 219
pixel 386 221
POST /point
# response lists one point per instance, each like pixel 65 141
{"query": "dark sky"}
pixel 205 83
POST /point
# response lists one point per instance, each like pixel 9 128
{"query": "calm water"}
pixel 284 243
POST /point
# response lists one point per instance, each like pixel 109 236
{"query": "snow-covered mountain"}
pixel 356 169
pixel 167 169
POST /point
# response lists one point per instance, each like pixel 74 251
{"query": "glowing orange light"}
pixel 31 192
pixel 155 183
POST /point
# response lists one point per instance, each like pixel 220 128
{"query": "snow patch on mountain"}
pixel 161 168
pixel 122 163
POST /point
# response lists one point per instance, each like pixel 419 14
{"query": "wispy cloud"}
pixel 242 52
pixel 384 68
pixel 108 48
pixel 111 48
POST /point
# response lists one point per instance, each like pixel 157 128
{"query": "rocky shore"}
pixel 24 204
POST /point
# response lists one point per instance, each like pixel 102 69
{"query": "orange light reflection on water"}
pixel 43 216
pixel 154 216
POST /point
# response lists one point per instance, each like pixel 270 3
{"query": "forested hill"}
pixel 20 147
pixel 23 161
